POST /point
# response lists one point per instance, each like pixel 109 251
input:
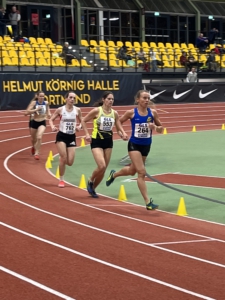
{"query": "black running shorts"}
pixel 68 139
pixel 36 124
pixel 144 149
pixel 105 143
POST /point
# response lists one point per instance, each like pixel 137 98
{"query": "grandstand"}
pixel 97 30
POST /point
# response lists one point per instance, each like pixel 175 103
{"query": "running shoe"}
pixel 36 156
pixel 151 206
pixel 91 190
pixel 32 151
pixel 61 184
pixel 110 178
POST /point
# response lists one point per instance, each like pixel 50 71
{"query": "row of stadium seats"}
pixel 41 62
pixel 32 47
pixel 39 40
pixel 137 45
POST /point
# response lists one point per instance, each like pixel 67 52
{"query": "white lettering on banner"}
pixel 142 130
pixel 106 123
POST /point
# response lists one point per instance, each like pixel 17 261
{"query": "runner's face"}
pixel 108 101
pixel 41 97
pixel 71 98
pixel 144 99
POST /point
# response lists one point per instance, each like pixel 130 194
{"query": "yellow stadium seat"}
pixel 38 54
pixel 48 41
pixel 22 53
pixel 30 54
pixel 60 62
pixel 25 62
pixel 102 50
pixel 161 45
pixel 102 56
pixel 191 46
pixel 113 63
pixel 40 40
pixel 14 61
pixel 128 44
pixel 169 45
pixel 119 44
pixel 58 48
pixel 5 53
pixel 46 55
pixel 41 62
pixel 32 40
pixel 153 45
pixel 13 53
pixel 145 45
pixel 137 45
pixel 112 50
pixel 93 43
pixel 176 45
pixel 84 43
pixel 7 61
pixel 27 47
pixel 112 56
pixel 7 38
pixel 103 43
pixel 122 63
pixel 111 44
pixel 84 63
pixel 75 63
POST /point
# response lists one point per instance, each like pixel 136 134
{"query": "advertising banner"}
pixel 187 92
pixel 17 90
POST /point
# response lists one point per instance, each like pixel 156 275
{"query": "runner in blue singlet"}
pixel 143 121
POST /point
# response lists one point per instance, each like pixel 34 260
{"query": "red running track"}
pixel 62 244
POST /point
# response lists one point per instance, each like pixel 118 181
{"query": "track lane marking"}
pixel 114 266
pixel 35 283
pixel 154 245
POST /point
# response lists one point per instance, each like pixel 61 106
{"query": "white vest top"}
pixel 68 120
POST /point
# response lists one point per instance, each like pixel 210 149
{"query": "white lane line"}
pixel 35 283
pixel 182 242
pixel 7 130
pixel 109 264
pixel 6 123
pixel 115 234
pixel 164 111
pixel 86 205
pixel 187 185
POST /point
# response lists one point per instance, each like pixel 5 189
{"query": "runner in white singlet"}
pixel 66 137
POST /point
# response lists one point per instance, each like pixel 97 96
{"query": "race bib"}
pixel 106 123
pixel 41 109
pixel 142 130
pixel 69 128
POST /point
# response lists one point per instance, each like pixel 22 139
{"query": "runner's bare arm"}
pixel 48 110
pixel 128 115
pixel 91 115
pixel 158 125
pixel 83 124
pixel 119 127
pixel 30 109
pixel 53 117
